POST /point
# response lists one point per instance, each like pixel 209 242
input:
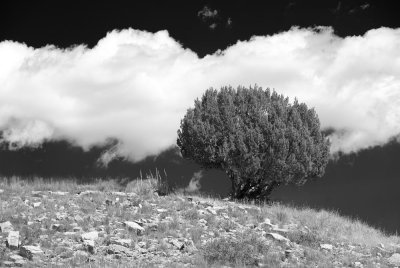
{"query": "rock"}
pixel 6 227
pixel 118 249
pixel 358 264
pixel 135 227
pixel 77 229
pixel 13 239
pixel 1 191
pixel 202 222
pixel 122 242
pixel 395 259
pixel 211 210
pixel 90 236
pixel 87 192
pixel 15 257
pixel 278 237
pixel 8 264
pixel 20 263
pixel 162 210
pixel 81 256
pixel 89 245
pixel 59 193
pixel 57 227
pixel 36 204
pixel 189 246
pixel 30 252
pixel 41 218
pixel 326 246
pixel 177 244
pixel 78 218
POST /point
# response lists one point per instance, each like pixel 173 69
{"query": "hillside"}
pixel 64 224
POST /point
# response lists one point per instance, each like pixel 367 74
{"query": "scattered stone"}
pixel 278 237
pixel 36 204
pixel 13 239
pixel 122 242
pixel 135 227
pixel 162 210
pixel 78 218
pixel 20 263
pixel 395 259
pixel 30 252
pixel 59 193
pixel 211 210
pixel 177 244
pixel 6 227
pixel 8 263
pixel 77 229
pixel 358 264
pixel 189 246
pixel 326 246
pixel 89 245
pixel 202 222
pixel 118 249
pixel 90 236
pixel 15 257
pixel 57 227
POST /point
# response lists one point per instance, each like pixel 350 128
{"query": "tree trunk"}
pixel 252 191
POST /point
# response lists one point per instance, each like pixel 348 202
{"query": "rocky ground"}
pixel 102 228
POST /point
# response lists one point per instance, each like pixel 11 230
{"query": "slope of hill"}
pixel 65 224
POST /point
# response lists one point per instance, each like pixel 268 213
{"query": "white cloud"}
pixel 206 13
pixel 136 86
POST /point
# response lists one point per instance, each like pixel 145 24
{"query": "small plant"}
pixel 191 214
pixel 304 238
pixel 245 250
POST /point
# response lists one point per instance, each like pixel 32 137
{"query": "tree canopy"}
pixel 256 136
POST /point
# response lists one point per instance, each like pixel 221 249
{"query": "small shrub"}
pixel 304 238
pixel 245 250
pixel 191 214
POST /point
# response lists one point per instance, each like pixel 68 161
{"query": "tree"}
pixel 257 137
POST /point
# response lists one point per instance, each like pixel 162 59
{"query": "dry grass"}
pixel 325 226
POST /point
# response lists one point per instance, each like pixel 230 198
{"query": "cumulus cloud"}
pixel 135 86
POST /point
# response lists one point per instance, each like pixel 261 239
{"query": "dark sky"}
pixel 65 23
pixel 360 185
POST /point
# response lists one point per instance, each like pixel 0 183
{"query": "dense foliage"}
pixel 258 137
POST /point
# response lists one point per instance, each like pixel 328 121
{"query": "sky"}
pixel 98 88
pixel 93 71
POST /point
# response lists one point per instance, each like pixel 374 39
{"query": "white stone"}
pixel 13 239
pixel 15 257
pixel 177 244
pixel 211 210
pixel 326 246
pixel 36 204
pixel 123 242
pixel 134 226
pixel 6 227
pixel 118 249
pixel 30 252
pixel 278 237
pixel 59 193
pixel 161 210
pixel 90 236
pixel 395 259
